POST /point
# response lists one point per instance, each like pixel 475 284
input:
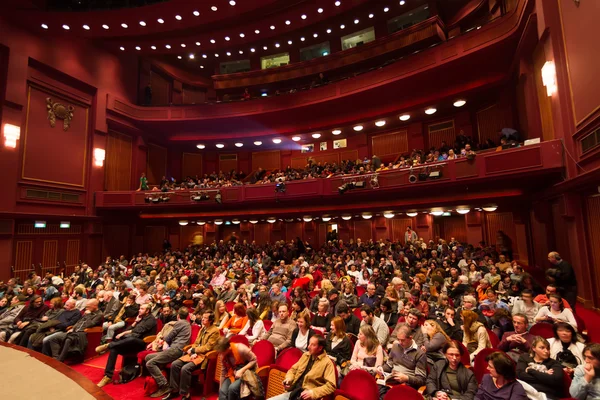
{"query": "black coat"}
pixel 342 352
pixel 438 380
pixel 551 384
pixel 311 332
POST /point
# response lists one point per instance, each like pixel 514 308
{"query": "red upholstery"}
pixel 239 339
pixel 357 313
pixel 542 329
pixel 581 328
pixel 268 324
pixel 493 338
pixel 288 357
pixel 265 353
pixel 229 305
pixel 360 291
pixel 480 365
pixel 566 385
pixel 403 392
pixel 358 385
pixel 465 358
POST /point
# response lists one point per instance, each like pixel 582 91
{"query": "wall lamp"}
pixel 99 157
pixel 12 133
pixel 549 77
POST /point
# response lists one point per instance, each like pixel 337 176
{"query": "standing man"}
pixel 172 349
pixel 129 341
pixel 564 275
pixel 410 235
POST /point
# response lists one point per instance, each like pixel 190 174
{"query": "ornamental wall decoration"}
pixel 60 111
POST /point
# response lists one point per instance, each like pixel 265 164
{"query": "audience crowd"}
pixel 415 313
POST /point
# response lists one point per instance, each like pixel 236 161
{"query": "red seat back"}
pixel 357 313
pixel 403 392
pixel 360 385
pixel 229 305
pixel 195 332
pixel 268 324
pixel 360 291
pixel 239 339
pixel 288 357
pixel 493 338
pixel 265 353
pixel 465 358
pixel 480 364
pixel 542 329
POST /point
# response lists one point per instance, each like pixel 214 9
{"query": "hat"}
pixel 333 291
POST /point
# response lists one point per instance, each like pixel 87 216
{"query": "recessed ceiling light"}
pixel 227 38
pixel 490 208
pixel 242 35
pixel 337 3
pixel 336 131
pixel 66 27
pixel 288 22
pixel 358 128
pixel 328 30
pixel 239 144
pixel 386 9
pixel 182 44
pixel 303 16
pixel 319 10
pixel 380 123
pixel 253 49
pixel 44 26
pixel 257 143
pixel 402 2
pixel 196 13
pixel 200 146
pixel 179 57
pixel 404 117
pixel 371 15
pixel 276 140
pixel 302 39
pixel 296 138
pixel 216 54
pixel 459 103
pixel 161 21
pixel 272 27
pixel 168 46
pixel 197 43
pixel 316 135
pixel 153 47
pixel 277 45
pixel 142 23
pixel 214 8
pixel 228 53
pixel 232 3
pixel 315 35
pixel 192 56
pixel 204 56
pixel 124 26
pixel 202 66
pixel 86 27
pixel 412 214
pixel 241 51
pixel 430 111
pixel 342 26
pixel 290 42
pixel 356 21
pixel 257 31
pixel 122 48
pixel 138 48
pixel 264 47
pixel 178 17
pixel 213 41
pixel 220 145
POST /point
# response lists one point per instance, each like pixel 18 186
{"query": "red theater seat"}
pixel 358 385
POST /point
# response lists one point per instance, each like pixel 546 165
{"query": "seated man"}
pixel 128 342
pixel 352 322
pixel 65 319
pixel 281 332
pixel 586 382
pixel 542 299
pixel 181 370
pixel 407 362
pixel 313 376
pixel 172 349
pixel 519 341
pixel 228 293
pixel 379 326
pixel 114 322
pixel 412 321
pixel 369 298
pixel 73 340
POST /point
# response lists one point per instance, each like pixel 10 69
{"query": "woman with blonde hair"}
pixel 475 336
pixel 327 285
pixel 368 353
pixel 392 295
pixel 435 340
pixel 221 314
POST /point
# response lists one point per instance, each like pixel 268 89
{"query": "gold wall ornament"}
pixel 60 111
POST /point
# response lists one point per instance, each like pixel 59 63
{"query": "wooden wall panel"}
pixel 348 155
pixel 492 119
pixel 153 238
pixel 156 165
pixel 117 166
pixel 262 233
pixel 161 90
pixel 592 217
pixel 326 158
pixel 362 230
pixel 116 241
pixel 390 144
pixel 544 102
pixel 456 227
pixel 23 258
pixel 399 227
pixel 50 254
pixel 539 241
pixel 191 164
pixel 561 235
pixel 436 137
pixel 228 162
pixel 298 162
pixel 501 222
pixel 73 255
pixel 193 96
pixel 267 160
pixel 293 230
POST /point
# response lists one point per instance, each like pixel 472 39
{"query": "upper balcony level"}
pixel 489 176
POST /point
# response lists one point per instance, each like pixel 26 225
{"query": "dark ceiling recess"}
pixel 91 5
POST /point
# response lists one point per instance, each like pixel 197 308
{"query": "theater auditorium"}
pixel 303 200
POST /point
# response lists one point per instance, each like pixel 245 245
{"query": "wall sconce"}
pixel 99 156
pixel 549 77
pixel 12 133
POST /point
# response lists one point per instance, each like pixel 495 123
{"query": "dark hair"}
pixel 222 344
pixel 521 315
pixel 321 341
pixel 387 303
pixel 300 303
pixel 211 316
pixel 366 309
pixel 504 365
pixel 415 312
pixel 526 291
pixel 560 301
pixel 343 308
pixel 455 345
pixel 593 348
pixel 183 313
pixel 567 326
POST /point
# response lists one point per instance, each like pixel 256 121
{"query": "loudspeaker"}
pixel 412 178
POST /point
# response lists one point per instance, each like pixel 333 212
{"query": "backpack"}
pixel 129 373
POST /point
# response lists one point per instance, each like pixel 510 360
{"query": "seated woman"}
pixel 303 332
pixel 368 353
pixel 31 313
pixel 388 315
pixel 449 378
pixel 263 305
pixel 221 314
pixel 56 308
pixel 348 295
pixel 239 365
pixel 322 319
pixel 556 312
pixel 543 373
pixel 501 382
pixel 475 336
pixel 435 340
pixel 314 303
pixel 338 347
pixel 254 328
pixel 565 348
pixel 297 307
pixel 437 311
pixel 235 324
